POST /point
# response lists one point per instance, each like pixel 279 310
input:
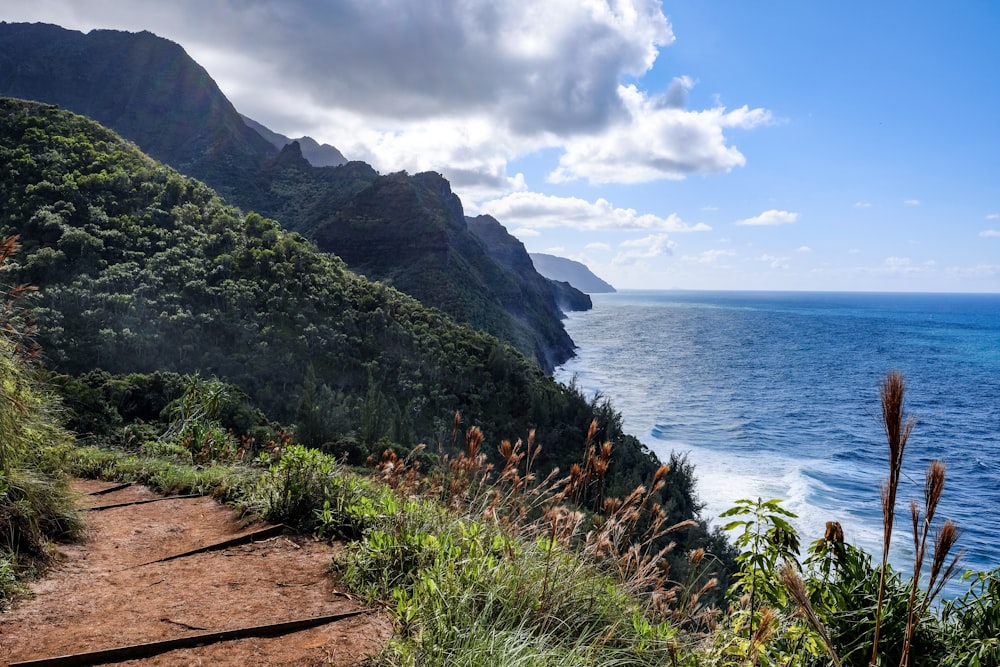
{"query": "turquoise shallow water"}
pixel 776 395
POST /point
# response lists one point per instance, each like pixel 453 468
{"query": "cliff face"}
pixel 574 273
pixel 409 231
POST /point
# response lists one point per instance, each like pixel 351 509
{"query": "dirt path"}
pixel 107 593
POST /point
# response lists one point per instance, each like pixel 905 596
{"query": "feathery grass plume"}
pixel 765 629
pixel 933 487
pixel 797 589
pixel 897 431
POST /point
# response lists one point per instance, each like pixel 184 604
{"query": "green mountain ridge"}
pixel 140 269
pixel 151 92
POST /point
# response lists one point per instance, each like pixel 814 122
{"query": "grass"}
pixel 492 566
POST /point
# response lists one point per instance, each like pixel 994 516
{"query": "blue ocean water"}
pixel 777 395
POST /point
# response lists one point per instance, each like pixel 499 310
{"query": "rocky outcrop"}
pixel 317 154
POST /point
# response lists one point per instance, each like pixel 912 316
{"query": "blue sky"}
pixel 694 144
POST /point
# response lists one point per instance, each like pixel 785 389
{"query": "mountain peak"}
pixel 318 155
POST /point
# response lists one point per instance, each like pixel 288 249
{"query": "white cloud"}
pixel 912 202
pixel 654 141
pixel 804 248
pixel 990 233
pixel 774 261
pixel 978 271
pixel 710 208
pixel 525 232
pixel 708 257
pixel 536 210
pixel 604 247
pixel 854 251
pixel 862 204
pixel 649 247
pixel 993 216
pixel 769 218
pixel 899 265
pixel 459 87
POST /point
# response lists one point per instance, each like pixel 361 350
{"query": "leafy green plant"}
pixel 972 622
pixel 766 540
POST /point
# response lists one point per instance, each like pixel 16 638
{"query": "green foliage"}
pixel 972 622
pixel 35 507
pixel 767 540
pixel 844 584
pixel 146 275
pixel 466 592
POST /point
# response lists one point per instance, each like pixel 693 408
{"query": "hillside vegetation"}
pixel 406 231
pixel 143 271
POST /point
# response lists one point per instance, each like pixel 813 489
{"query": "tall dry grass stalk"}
pixel 897 431
pixel 943 543
pixel 627 536
pixel 797 589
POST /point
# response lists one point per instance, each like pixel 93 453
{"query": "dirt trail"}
pixel 106 593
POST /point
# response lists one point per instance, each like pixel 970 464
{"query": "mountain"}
pixel 144 87
pixel 574 273
pixel 152 93
pixel 411 232
pixel 318 155
pixel 140 269
pixel 509 252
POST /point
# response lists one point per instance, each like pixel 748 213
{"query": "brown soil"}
pixel 106 593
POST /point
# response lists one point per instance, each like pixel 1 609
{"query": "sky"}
pixel 688 144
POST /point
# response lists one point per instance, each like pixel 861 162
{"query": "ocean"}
pixel 776 395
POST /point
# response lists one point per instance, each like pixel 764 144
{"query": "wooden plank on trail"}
pixel 98 508
pixel 138 651
pixel 261 534
pixel 110 489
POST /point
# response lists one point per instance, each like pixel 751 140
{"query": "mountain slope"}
pixel 150 91
pixel 411 232
pixel 141 269
pixel 143 86
pixel 569 271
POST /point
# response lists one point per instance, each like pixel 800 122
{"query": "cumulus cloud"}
pixel 993 216
pixel 523 232
pixel 655 141
pixel 990 233
pixel 804 248
pixel 457 86
pixel 912 202
pixel 862 204
pixel 536 210
pixel 649 247
pixel 770 218
pixel 604 247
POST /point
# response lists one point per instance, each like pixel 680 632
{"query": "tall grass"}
pixel 34 506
